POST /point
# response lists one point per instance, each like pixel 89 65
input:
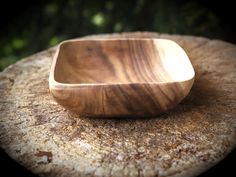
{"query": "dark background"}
pixel 31 26
pixel 27 27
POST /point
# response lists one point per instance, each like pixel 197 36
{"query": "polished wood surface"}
pixel 120 77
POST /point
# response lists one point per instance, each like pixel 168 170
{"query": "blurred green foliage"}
pixel 46 24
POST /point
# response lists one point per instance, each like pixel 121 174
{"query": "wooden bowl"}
pixel 120 77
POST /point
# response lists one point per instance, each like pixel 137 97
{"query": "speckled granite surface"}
pixel 50 141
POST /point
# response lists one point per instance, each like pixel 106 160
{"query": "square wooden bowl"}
pixel 120 77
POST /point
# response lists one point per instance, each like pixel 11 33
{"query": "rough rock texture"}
pixel 51 141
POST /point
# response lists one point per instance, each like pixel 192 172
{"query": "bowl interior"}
pixel 121 61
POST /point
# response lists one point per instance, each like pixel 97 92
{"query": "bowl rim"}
pixel 53 84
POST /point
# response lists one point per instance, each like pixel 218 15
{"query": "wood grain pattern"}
pixel 127 77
